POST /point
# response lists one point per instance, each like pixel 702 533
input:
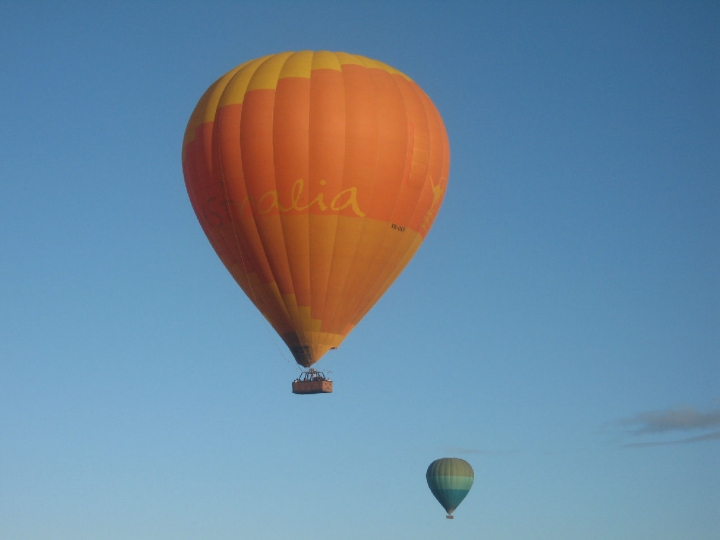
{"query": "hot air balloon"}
pixel 450 479
pixel 315 176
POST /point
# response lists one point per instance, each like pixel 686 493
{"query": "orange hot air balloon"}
pixel 315 176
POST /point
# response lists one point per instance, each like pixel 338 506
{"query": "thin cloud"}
pixel 701 438
pixel 643 427
pixel 459 450
pixel 678 419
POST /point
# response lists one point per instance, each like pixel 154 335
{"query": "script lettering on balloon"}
pixel 269 201
pixel 437 192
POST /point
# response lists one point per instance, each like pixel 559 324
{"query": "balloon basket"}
pixel 449 517
pixel 312 382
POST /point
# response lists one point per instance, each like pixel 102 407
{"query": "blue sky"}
pixel 559 329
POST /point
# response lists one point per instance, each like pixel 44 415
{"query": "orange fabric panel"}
pixel 362 144
pixel 249 260
pixel 290 146
pixel 326 153
pixel 392 150
pixel 256 145
pixel 207 197
pixel 438 170
pixel 379 240
pixel 359 171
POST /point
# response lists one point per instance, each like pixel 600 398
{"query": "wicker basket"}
pixel 312 387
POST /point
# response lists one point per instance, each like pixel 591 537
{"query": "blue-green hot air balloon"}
pixel 450 479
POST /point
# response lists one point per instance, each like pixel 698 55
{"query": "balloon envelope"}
pixel 315 176
pixel 450 480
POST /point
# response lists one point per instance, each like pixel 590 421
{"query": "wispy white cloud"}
pixel 662 423
pixel 700 438
pixel 457 450
pixel 678 419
